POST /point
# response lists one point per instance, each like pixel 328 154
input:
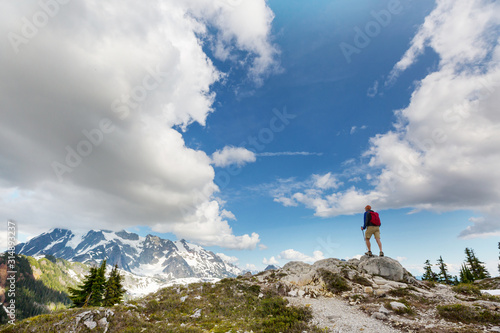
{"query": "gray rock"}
pixel 384 310
pixel 397 306
pixel 330 264
pixel 386 267
pixel 103 322
pixel 296 267
pixel 196 314
pixel 493 306
pixel 90 324
pixel 379 316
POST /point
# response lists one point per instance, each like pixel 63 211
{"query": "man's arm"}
pixel 365 222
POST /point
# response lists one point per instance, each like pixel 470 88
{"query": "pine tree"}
pixel 429 275
pixel 98 286
pixel 114 288
pixel 91 292
pixel 476 266
pixel 444 277
pixel 466 275
pixel 80 295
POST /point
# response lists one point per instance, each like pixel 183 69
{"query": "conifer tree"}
pixel 444 277
pixel 476 266
pixel 466 275
pixel 429 275
pixel 96 290
pixel 98 287
pixel 90 293
pixel 81 294
pixel 114 288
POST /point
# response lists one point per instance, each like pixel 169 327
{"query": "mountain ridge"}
pixel 149 256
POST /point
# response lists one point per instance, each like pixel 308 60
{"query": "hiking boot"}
pixel 369 254
pixel 381 253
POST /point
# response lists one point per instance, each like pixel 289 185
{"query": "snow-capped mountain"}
pixel 146 256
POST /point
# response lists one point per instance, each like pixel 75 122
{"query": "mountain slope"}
pixel 146 256
pixel 29 296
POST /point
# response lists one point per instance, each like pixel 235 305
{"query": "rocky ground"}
pixel 378 295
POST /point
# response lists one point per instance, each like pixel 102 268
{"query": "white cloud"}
pixel 243 25
pixel 228 259
pixel 443 153
pixel 373 90
pixel 400 259
pixel 354 129
pixel 233 155
pixel 142 66
pixel 250 267
pixel 270 261
pixel 262 246
pixel 357 256
pixel 293 255
pixel 325 182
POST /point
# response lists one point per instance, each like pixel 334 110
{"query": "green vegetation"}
pixel 229 305
pixel 429 275
pixel 467 289
pixel 472 269
pixel 32 297
pixel 477 269
pixel 334 282
pixel 468 314
pixel 400 292
pixel 96 290
pixel 54 272
pixel 361 280
pixel 407 310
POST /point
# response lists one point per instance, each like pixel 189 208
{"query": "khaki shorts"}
pixel 372 230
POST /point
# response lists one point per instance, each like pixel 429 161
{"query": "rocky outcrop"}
pixel 381 287
pixel 385 267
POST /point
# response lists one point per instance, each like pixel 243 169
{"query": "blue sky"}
pixel 257 129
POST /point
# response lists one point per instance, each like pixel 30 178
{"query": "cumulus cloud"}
pixel 250 267
pixel 94 102
pixel 229 259
pixel 233 155
pixel 270 261
pixel 444 151
pixel 293 255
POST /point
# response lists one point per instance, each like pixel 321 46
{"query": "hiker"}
pixel 371 229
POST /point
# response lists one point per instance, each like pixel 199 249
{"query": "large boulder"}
pixel 298 273
pixel 385 267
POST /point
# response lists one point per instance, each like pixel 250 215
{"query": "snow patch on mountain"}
pixel 149 257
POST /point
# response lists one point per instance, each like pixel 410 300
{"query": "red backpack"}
pixel 375 219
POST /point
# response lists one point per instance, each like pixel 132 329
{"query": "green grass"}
pixel 334 283
pixel 468 289
pixel 468 314
pixel 361 280
pixel 230 305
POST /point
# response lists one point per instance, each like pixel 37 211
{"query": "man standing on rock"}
pixel 372 228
